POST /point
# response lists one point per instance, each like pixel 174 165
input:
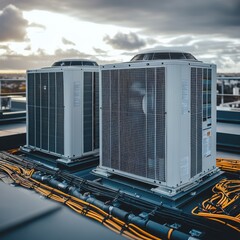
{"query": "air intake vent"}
pixel 46 111
pixel 196 121
pixel 133 113
pixel 91 111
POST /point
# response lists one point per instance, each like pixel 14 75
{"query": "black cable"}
pixel 162 213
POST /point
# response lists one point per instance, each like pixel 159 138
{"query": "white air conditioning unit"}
pixel 157 120
pixel 63 109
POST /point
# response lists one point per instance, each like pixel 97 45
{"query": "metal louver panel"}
pixel 31 109
pixel 88 111
pixel 160 123
pixel 196 120
pixel 91 111
pixel 38 108
pixel 133 116
pixel 46 111
pixel 59 113
pixel 52 112
pixel 209 93
pixel 199 120
pixel 96 110
pixel 106 119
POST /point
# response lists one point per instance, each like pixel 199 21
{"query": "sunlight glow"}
pixel 84 35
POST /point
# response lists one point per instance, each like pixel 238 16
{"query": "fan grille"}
pixel 133 121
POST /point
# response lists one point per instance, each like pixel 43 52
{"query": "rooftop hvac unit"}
pixel 63 110
pixel 157 121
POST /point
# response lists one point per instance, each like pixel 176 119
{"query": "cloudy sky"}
pixel 34 33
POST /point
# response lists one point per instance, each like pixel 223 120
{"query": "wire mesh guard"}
pixel 133 117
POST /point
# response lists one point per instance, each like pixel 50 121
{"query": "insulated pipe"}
pixel 157 229
pixel 165 232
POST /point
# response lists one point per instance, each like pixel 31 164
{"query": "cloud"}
pixel 15 61
pixel 67 42
pixel 12 25
pixel 124 41
pixel 99 51
pixel 37 25
pixel 28 48
pixel 71 53
pixel 181 40
pixel 227 59
pixel 4 47
pixel 223 52
pixel 5 50
pixel 157 17
pixel 208 29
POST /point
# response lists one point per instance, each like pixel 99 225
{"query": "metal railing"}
pixel 228 93
pixel 5 103
pixel 13 87
pixel 228 90
pixel 10 89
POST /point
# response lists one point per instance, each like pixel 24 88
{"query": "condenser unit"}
pixel 157 120
pixel 63 109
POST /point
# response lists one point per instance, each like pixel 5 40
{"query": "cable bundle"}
pixel 23 177
pixel 223 206
pixel 121 212
pixel 229 165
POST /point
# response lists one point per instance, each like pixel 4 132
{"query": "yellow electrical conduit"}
pixel 22 177
pixel 227 164
pixel 226 192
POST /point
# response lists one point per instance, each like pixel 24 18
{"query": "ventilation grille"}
pixel 207 90
pixel 196 120
pixel 133 121
pixel 91 111
pixel 46 111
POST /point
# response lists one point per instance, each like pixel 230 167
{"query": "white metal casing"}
pixel 74 133
pixel 179 167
